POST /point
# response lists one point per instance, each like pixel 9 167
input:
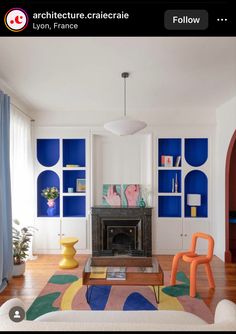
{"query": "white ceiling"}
pixel 77 81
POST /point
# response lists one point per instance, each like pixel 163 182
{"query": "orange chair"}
pixel 194 259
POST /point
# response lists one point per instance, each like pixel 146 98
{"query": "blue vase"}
pixel 51 211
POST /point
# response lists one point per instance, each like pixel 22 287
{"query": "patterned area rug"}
pixel 64 291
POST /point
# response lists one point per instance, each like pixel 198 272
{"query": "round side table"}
pixel 68 252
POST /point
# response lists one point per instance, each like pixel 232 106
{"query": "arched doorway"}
pixel 230 202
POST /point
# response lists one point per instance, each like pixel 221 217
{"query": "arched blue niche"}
pixel 196 151
pixel 46 179
pixel 48 151
pixel 196 182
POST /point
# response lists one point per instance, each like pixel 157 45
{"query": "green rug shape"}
pixel 42 305
pixel 178 290
pixel 63 279
pixel 182 277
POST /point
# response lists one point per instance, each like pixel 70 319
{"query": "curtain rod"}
pixel 32 120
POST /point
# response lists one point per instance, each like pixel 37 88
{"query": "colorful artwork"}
pixel 111 195
pixel 126 195
pixel 131 195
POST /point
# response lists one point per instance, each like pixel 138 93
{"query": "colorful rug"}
pixel 64 291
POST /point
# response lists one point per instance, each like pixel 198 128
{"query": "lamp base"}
pixel 193 211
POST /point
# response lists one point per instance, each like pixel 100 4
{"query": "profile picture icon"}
pixel 16 19
pixel 17 314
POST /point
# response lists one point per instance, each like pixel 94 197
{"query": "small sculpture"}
pixel 142 203
pixel 176 183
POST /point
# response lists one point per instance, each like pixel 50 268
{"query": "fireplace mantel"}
pixel 130 225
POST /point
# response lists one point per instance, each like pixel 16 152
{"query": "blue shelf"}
pixel 74 206
pixel 165 180
pixel 169 206
pixel 196 151
pixel 196 182
pixel 48 151
pixel 46 179
pixel 169 146
pixel 69 179
pixel 74 152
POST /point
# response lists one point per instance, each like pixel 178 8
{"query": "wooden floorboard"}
pixel 40 270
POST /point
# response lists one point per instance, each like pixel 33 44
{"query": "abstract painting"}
pixel 111 195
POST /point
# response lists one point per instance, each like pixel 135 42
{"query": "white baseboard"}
pixel 58 251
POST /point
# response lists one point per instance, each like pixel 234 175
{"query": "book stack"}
pixel 98 272
pixel 116 273
pixel 72 166
pixel 177 161
pixel 167 160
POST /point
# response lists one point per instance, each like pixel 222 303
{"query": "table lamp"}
pixel 194 200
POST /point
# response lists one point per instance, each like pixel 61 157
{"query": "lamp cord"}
pixel 125 96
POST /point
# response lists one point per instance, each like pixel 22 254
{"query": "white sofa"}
pixel 225 320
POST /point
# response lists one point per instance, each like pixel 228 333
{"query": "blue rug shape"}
pixel 98 296
pixel 137 302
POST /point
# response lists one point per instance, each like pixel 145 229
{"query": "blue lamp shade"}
pixel 194 199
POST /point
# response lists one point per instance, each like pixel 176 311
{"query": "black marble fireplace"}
pixel 121 232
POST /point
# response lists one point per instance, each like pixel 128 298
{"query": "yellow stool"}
pixel 68 252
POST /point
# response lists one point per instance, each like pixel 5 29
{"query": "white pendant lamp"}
pixel 125 126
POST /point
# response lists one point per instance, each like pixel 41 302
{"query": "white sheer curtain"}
pixel 21 160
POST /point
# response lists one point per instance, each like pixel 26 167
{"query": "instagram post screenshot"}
pixel 117 166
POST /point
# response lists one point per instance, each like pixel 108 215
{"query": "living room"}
pixel 68 174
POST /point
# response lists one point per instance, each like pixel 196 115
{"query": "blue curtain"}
pixel 6 262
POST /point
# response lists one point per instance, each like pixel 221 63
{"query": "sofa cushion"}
pixel 160 317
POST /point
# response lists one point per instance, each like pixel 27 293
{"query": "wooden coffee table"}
pixel 142 276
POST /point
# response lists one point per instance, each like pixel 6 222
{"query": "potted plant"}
pixel 20 241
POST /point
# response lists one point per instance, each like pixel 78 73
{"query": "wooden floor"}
pixel 39 271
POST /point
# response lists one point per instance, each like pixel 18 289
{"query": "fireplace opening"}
pixel 121 236
pixel 121 240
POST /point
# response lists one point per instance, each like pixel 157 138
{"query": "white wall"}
pixel 15 101
pixel 226 125
pixel 120 160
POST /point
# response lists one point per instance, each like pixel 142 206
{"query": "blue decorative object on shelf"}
pixel 51 210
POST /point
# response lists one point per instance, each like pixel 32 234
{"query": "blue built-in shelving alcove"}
pixel 196 151
pixel 74 206
pixel 169 206
pixel 46 179
pixel 169 146
pixel 74 152
pixel 165 181
pixel 48 151
pixel 70 177
pixel 196 182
